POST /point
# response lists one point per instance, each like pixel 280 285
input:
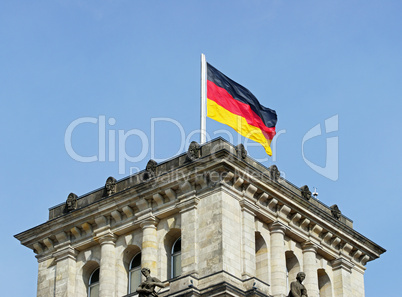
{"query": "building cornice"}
pixel 179 184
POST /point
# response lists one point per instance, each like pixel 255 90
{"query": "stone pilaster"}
pixel 107 275
pixel 310 268
pixel 189 219
pixel 278 260
pixel 358 281
pixel 248 239
pixel 66 262
pixel 149 251
pixel 342 269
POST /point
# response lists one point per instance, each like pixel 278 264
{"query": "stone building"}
pixel 211 222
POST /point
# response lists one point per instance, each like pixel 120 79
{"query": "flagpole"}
pixel 203 130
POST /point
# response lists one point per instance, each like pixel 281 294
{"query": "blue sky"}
pixel 134 62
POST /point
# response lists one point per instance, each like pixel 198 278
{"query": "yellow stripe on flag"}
pixel 222 115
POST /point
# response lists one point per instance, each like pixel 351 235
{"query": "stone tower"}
pixel 211 222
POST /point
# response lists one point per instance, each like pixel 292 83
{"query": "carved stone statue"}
pixel 297 289
pixel 147 287
pixel 193 151
pixel 241 151
pixel 336 213
pixel 71 202
pixel 110 186
pixel 150 170
pixel 274 172
pixel 305 192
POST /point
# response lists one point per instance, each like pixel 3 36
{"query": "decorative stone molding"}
pixel 316 230
pixel 346 248
pixel 284 211
pixel 158 198
pixel 365 259
pixel 342 263
pixel 187 204
pixel 277 227
pixel 327 237
pixel 149 222
pixel 272 205
pixel 295 218
pixel 194 151
pixel 305 192
pixel 304 224
pixel 263 199
pixel 336 242
pixel 248 206
pixel 238 183
pixel 87 228
pixel 101 221
pixel 116 216
pixel 71 202
pixel 212 178
pixel 309 246
pixel 128 211
pixel 241 151
pixel 186 187
pixel 356 255
pixel 336 213
pixel 66 253
pixel 228 177
pixel 274 173
pixel 49 243
pixel 62 237
pixel 250 191
pixel 106 237
pixel 170 194
pixel 110 186
pixel 38 247
pixel 142 204
pixel 76 232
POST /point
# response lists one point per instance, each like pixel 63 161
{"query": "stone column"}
pixel 248 239
pixel 342 277
pixel 107 275
pixel 149 251
pixel 65 271
pixel 278 259
pixel 310 268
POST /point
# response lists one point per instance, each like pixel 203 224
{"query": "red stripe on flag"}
pixel 224 99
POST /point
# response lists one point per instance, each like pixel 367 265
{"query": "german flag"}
pixel 232 104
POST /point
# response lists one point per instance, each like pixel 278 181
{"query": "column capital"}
pixel 149 222
pixel 309 246
pixel 342 263
pixel 277 227
pixel 66 252
pixel 106 237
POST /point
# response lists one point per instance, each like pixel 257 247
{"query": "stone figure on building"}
pixel 297 289
pixel 150 170
pixel 241 151
pixel 274 172
pixel 305 192
pixel 110 186
pixel 147 287
pixel 336 213
pixel 194 151
pixel 71 202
